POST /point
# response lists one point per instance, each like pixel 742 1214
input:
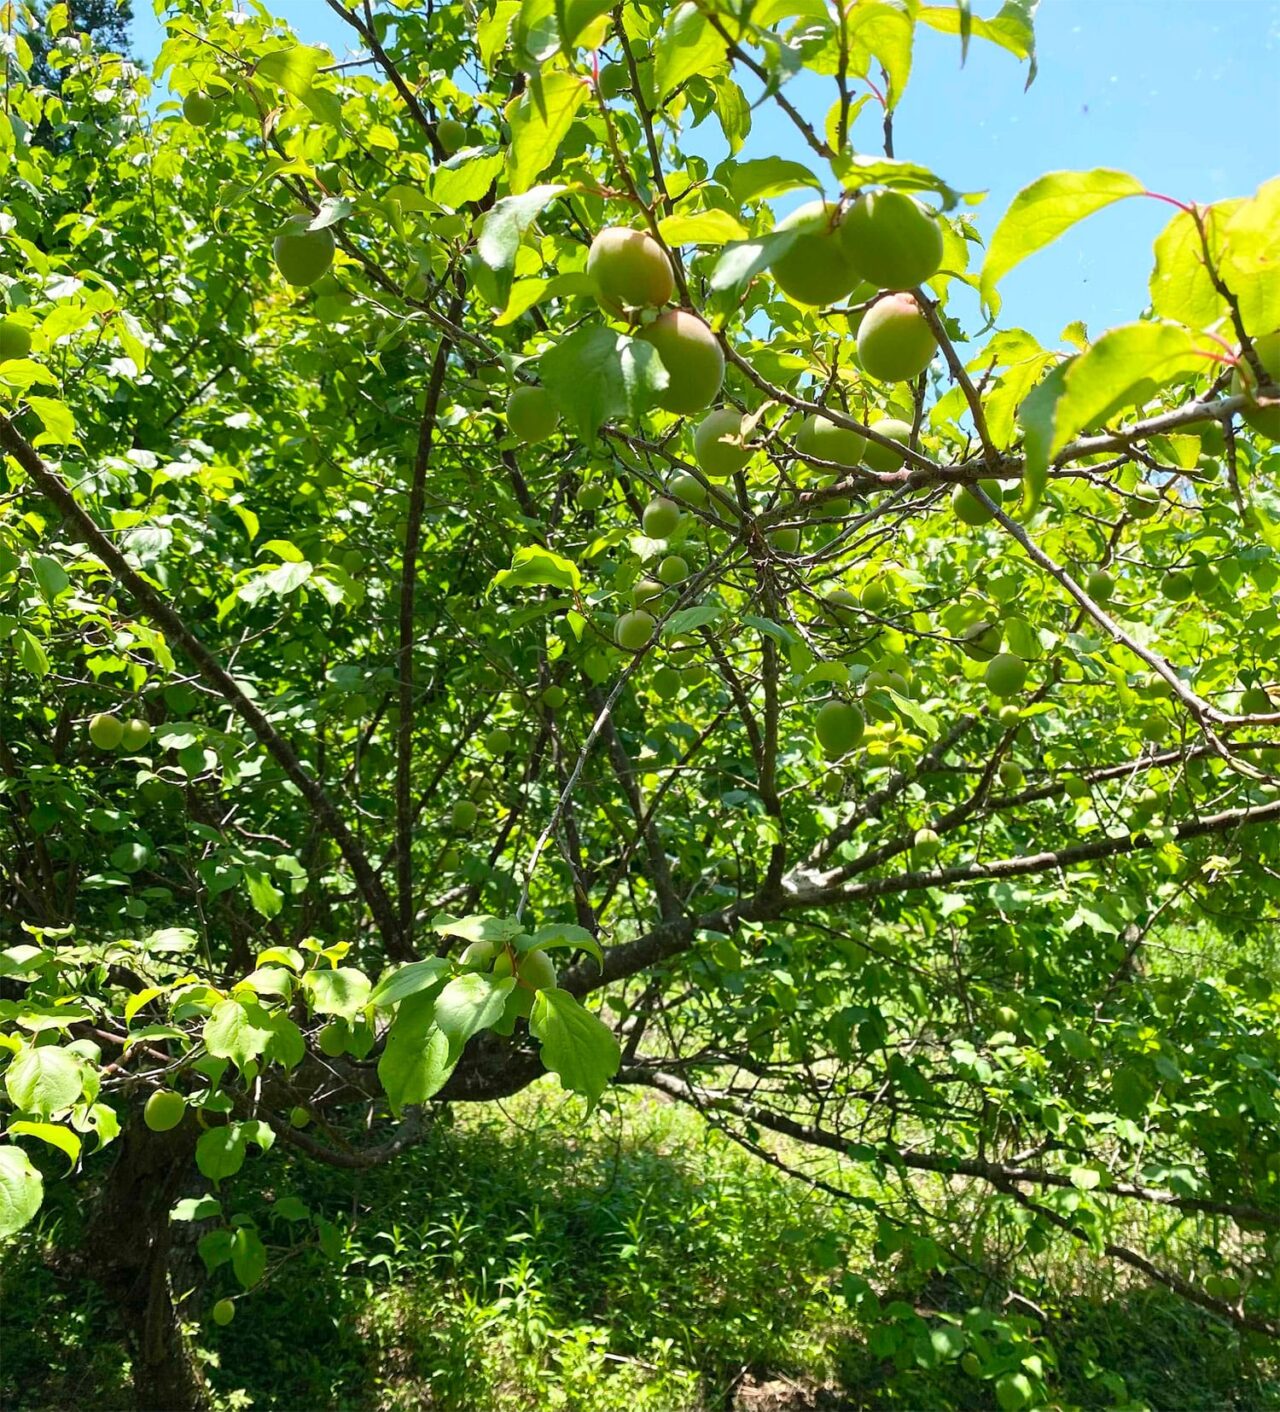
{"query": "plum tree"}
pixel 634 631
pixel 199 109
pixel 816 268
pixel 891 240
pixel 164 1110
pixel 629 270
pixel 1006 674
pixel 15 340
pixel 106 731
pixel 839 726
pixel 895 342
pixel 968 509
pixel 717 445
pixel 824 440
pixel 691 354
pixel 134 734
pixel 661 518
pixel 1264 420
pixel 881 458
pixel 302 256
pixel 532 414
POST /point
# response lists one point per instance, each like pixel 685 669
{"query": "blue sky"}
pixel 1185 94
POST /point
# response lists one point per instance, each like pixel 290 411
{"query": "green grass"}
pixel 527 1259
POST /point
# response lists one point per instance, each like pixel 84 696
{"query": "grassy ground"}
pixel 522 1259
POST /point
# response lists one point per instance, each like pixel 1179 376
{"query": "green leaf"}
pixel 499 237
pixel 343 991
pixel 237 1032
pixel 465 177
pixel 50 575
pixel 1041 212
pixel 562 934
pixel 248 1256
pixel 52 1133
pixel 1036 418
pixel 469 1004
pixel 596 374
pixel 477 928
pixel 44 1080
pixel 294 69
pixel 31 654
pixel 534 565
pixel 688 45
pixel 399 984
pixel 575 16
pixel 766 176
pixel 576 1045
pixel 267 899
pixel 221 1151
pixel 712 227
pixel 414 1067
pixel 59 423
pixel 885 33
pixel 1181 288
pixel 21 1190
pixel 539 120
pixel 1012 28
pixel 743 261
pixel 196 1208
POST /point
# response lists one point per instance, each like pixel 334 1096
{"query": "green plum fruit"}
pixel 821 439
pixel 634 631
pixel 537 970
pixel 892 240
pixel 968 509
pixel 981 641
pixel 1100 586
pixel 691 354
pixel 451 135
pixel 299 1117
pixel 106 731
pixel 645 591
pixel 590 497
pixel 15 340
pixel 1075 787
pixel 688 488
pixel 1006 674
pixel 1011 775
pixel 532 414
pixel 666 683
pixel 629 270
pixel 925 847
pixel 332 1038
pixel 134 735
pixel 839 727
pixel 877 597
pixel 1264 420
pixel 815 269
pixel 477 955
pixel 1256 702
pixel 661 517
pixel 882 458
pixel 716 444
pixel 785 540
pixel 463 816
pixel 223 1312
pixel 554 697
pixel 673 569
pixel 1177 586
pixel 199 109
pixel 164 1110
pixel 895 342
pixel 1144 502
pixel 498 741
pixel 303 255
pixel 841 605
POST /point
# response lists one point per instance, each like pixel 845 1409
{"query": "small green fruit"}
pixel 1264 420
pixel 199 109
pixel 223 1312
pixel 841 605
pixel 661 517
pixel 451 134
pixel 1154 728
pixel 590 497
pixel 981 641
pixel 892 240
pixel 785 540
pixel 816 268
pixel 925 847
pixel 1075 787
pixel 332 1038
pixel 718 457
pixel 463 816
pixel 895 342
pixel 532 414
pixel 876 597
pixel 881 458
pixel 299 1117
pixel 673 569
pixel 554 697
pixel 839 727
pixel 634 631
pixel 164 1110
pixel 477 955
pixel 15 340
pixel 106 731
pixel 498 741
pixel 302 256
pixel 537 971
pixel 134 735
pixel 1006 674
pixel 1256 702
pixel 1100 586
pixel 644 592
pixel 688 488
pixel 821 439
pixel 1011 775
pixel 1177 586
pixel 666 683
pixel 968 509
pixel 691 355
pixel 629 269
pixel 1144 502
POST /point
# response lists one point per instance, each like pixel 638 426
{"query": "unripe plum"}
pixel 661 517
pixel 839 727
pixel 688 488
pixel 1100 586
pixel 692 357
pixel 891 240
pixel 463 816
pixel 816 268
pixel 968 509
pixel 134 735
pixel 895 342
pixel 199 109
pixel 15 340
pixel 302 256
pixel 629 269
pixel 673 569
pixel 164 1110
pixel 1006 674
pixel 717 457
pixel 634 630
pixel 106 731
pixel 532 414
pixel 881 458
pixel 820 438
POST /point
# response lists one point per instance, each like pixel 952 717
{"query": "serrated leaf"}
pixel 597 374
pixel 343 991
pixel 469 1004
pixel 237 1032
pixel 294 69
pixel 499 237
pixel 576 1045
pixel 44 1080
pixel 534 565
pixel 1043 211
pixel 539 119
pixel 21 1190
pixel 408 980
pixel 52 1133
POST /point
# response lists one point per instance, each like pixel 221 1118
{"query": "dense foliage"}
pixel 727 655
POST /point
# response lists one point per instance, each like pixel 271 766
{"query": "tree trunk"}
pixel 128 1251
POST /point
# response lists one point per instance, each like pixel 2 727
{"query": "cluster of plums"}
pixel 108 732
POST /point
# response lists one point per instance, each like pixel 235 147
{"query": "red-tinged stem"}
pixel 1170 201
